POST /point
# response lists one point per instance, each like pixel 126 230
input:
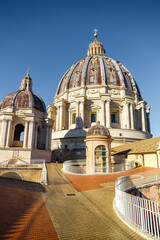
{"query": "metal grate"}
pixel 70 194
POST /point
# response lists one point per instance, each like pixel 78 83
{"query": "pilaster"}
pixel 26 133
pixel 143 112
pixel 132 116
pixel 102 118
pixel 8 133
pixel 108 114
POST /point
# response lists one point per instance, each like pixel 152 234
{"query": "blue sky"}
pixel 49 36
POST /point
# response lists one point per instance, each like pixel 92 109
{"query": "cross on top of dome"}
pixel 96 47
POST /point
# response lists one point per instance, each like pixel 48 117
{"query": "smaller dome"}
pixel 24 97
pixel 98 130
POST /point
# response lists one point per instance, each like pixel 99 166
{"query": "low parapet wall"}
pixel 30 172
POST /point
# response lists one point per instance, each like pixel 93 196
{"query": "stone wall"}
pixel 150 192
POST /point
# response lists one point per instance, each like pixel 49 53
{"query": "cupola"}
pixel 96 47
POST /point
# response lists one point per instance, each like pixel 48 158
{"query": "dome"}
pixel 98 130
pixel 97 69
pixel 98 88
pixel 24 97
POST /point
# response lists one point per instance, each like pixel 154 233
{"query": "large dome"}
pixel 24 97
pixel 98 88
pixel 97 69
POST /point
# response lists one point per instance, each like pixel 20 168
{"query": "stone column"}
pixel 108 114
pixel 36 133
pixel 126 115
pixel 3 132
pixel 69 120
pixel 94 50
pixel 132 116
pixel 60 117
pixel 82 114
pixel 102 117
pixel 77 114
pixel 47 135
pixel 143 112
pixel 63 116
pixel 31 134
pixel 148 120
pixel 25 143
pixel 8 133
pixel 57 119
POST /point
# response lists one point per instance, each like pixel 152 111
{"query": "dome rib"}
pixel 84 70
pixel 103 77
pixel 69 77
pixel 60 83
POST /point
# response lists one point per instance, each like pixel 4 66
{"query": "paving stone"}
pixel 23 212
pixel 90 215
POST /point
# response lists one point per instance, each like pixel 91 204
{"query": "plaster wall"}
pixel 136 157
pixel 150 160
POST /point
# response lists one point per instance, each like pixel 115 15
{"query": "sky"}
pixel 49 36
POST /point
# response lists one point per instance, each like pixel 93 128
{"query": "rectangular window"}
pixel 93 117
pixel 73 118
pixel 113 118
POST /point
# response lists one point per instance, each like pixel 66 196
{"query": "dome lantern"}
pixel 26 83
pixel 96 47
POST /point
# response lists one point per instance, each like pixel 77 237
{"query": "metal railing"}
pixel 142 212
pixel 75 166
pixel 79 167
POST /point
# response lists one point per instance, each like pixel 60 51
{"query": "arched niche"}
pixel 13 175
pixel 18 135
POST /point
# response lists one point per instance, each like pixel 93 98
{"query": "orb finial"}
pixel 28 71
pixel 95 32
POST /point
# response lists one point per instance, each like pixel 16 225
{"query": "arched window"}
pixel 19 132
pixel 101 159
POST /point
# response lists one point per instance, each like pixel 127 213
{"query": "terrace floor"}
pixel 32 211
